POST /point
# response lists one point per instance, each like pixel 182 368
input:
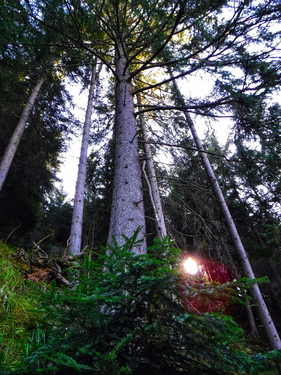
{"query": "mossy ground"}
pixel 20 320
pixel 17 307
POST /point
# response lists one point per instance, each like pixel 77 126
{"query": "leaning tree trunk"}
pixel 16 137
pixel 78 207
pixel 264 314
pixel 127 211
pixel 152 181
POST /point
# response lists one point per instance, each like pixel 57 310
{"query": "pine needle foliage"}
pixel 125 316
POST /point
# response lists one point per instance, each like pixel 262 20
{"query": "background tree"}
pixel 35 164
pixel 55 220
pixel 11 148
pixel 77 218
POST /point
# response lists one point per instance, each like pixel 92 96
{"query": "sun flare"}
pixel 190 266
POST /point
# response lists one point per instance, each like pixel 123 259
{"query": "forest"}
pixel 102 284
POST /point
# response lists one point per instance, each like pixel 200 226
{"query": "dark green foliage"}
pixel 55 219
pixel 251 180
pixel 33 169
pixel 98 197
pixel 26 56
pixel 195 219
pixel 125 317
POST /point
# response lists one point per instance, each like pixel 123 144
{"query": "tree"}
pixel 258 171
pixel 130 38
pixel 55 219
pixel 27 59
pixel 152 181
pixel 11 149
pixel 100 171
pixel 127 211
pixel 128 43
pixel 264 314
pixel 77 216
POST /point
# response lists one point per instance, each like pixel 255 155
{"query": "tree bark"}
pixel 127 212
pixel 78 207
pixel 16 137
pixel 269 327
pixel 156 200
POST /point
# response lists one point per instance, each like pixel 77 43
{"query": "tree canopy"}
pixel 145 177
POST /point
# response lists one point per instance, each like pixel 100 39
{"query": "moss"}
pixel 17 312
pixel 16 256
pixel 6 251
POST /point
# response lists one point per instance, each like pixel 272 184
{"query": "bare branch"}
pixel 150 108
pixel 187 148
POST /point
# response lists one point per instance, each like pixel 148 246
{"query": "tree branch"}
pixel 150 108
pixel 177 21
pixel 187 148
pixel 76 42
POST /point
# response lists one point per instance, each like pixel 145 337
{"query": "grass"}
pixel 17 315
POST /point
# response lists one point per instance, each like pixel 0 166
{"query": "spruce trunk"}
pixel 152 181
pixel 269 327
pixel 127 211
pixel 16 137
pixel 78 208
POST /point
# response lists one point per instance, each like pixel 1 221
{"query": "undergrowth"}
pixel 17 308
pixel 124 316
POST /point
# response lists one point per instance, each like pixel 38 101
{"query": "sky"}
pixel 70 159
pixel 69 167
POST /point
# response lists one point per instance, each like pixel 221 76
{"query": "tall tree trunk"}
pixel 155 196
pixel 127 211
pixel 77 216
pixel 264 314
pixel 16 137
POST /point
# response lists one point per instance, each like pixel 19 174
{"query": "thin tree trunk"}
pixel 77 216
pixel 127 212
pixel 264 314
pixel 16 137
pixel 251 318
pixel 156 200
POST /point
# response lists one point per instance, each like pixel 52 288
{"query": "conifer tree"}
pixel 131 37
pixel 127 37
pixel 151 180
pixel 11 148
pixel 77 216
pixel 270 329
pixel 28 57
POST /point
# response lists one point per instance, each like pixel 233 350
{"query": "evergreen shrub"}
pixel 124 315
